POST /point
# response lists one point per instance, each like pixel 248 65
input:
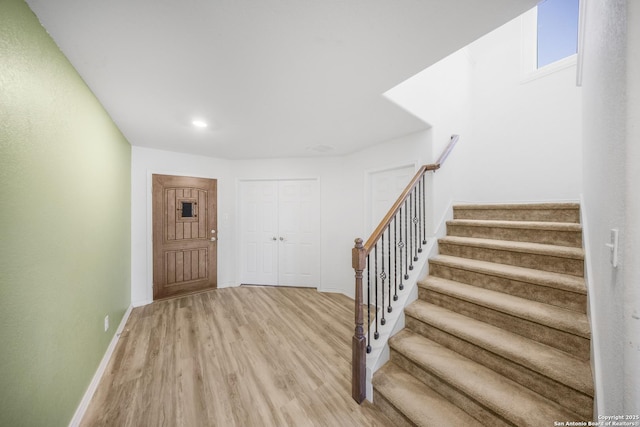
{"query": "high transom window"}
pixel 557 30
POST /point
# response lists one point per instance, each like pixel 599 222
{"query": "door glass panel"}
pixel 187 210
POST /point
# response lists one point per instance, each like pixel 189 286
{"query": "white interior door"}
pixel 299 233
pixel 280 232
pixel 259 232
pixel 385 188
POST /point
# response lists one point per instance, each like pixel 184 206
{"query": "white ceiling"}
pixel 274 78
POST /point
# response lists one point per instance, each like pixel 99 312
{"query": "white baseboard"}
pixel 222 285
pixel 93 385
pixel 596 357
pixel 336 290
pixel 141 303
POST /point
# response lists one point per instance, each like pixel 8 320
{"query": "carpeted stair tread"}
pixel 565 282
pixel 417 402
pixel 545 360
pixel 509 400
pixel 525 247
pixel 551 233
pixel 552 212
pixel 522 206
pixel 554 317
pixel 537 225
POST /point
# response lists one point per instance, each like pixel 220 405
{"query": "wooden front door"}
pixel 184 235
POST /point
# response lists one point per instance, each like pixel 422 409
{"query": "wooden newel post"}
pixel 358 344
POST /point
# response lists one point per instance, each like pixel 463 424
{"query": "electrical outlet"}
pixel 106 323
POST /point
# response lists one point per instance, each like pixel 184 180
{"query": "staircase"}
pixel 499 335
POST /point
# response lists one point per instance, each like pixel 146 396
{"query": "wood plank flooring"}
pixel 247 356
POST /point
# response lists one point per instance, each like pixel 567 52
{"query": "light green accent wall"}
pixel 64 226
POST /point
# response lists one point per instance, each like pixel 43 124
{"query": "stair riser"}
pixel 390 411
pixel 547 387
pixel 572 344
pixel 543 215
pixel 531 291
pixel 453 395
pixel 549 237
pixel 543 262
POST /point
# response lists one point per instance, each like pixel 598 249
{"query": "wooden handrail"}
pixel 375 236
pixel 359 263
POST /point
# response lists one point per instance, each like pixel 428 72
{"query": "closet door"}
pixel 299 233
pixel 259 232
pixel 280 233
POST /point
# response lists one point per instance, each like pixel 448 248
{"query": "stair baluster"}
pixel 389 266
pixel 376 334
pixel 415 227
pixel 411 238
pixel 368 306
pixel 424 210
pixel 406 239
pixel 383 276
pixel 419 216
pixel 395 258
pixel 401 246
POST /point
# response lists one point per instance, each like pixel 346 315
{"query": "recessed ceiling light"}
pixel 199 123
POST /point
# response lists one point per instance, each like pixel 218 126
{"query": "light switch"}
pixel 613 245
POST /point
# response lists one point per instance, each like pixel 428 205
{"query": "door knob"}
pixel 274 238
pixel 213 239
pixel 282 239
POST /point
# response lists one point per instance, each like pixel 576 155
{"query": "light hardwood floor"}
pixel 248 356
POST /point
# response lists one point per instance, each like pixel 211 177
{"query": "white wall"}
pixel 144 163
pixel 441 96
pixel 604 189
pixel 343 196
pixel 383 189
pixel 520 137
pixel 631 249
pixel 525 135
pixel 342 187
